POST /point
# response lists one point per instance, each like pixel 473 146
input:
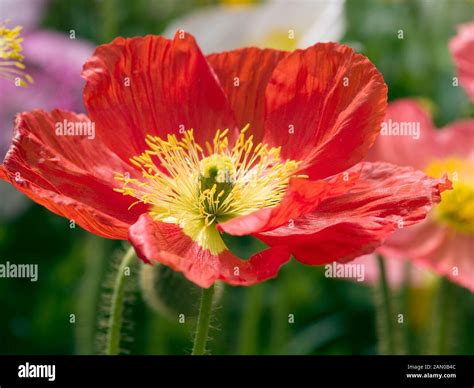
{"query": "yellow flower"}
pixel 11 59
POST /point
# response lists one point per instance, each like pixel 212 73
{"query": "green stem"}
pixel 204 318
pixel 94 252
pixel 156 324
pixel 443 327
pixel 443 317
pixel 279 308
pixel 250 319
pixel 384 307
pixel 115 318
pixel 405 345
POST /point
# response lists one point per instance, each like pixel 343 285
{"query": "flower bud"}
pixel 169 293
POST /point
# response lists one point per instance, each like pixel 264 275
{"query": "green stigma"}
pixel 217 174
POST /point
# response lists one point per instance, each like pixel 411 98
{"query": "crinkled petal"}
pixel 244 75
pixel 384 198
pixel 301 197
pixel 152 85
pixel 156 241
pixel 70 175
pixel 324 105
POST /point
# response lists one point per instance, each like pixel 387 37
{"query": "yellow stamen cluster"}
pixel 11 59
pixel 197 187
pixel 456 209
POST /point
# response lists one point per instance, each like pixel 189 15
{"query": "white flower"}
pixel 281 24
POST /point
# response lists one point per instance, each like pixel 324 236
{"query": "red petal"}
pixel 302 196
pixel 334 99
pixel 354 223
pixel 70 175
pixel 262 266
pixel 166 244
pixel 253 68
pixel 3 173
pixel 171 87
pixel 462 50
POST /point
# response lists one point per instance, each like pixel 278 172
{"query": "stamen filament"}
pixel 197 189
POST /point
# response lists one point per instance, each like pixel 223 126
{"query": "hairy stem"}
pixel 384 310
pixel 204 318
pixel 116 312
pixel 89 293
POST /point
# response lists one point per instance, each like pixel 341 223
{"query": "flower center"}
pixel 216 181
pixel 198 187
pixel 11 59
pixel 456 209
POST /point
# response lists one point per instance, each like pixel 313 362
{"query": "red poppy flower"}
pixel 273 152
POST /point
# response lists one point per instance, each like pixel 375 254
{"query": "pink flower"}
pixel 445 240
pixel 54 61
pixel 462 50
pixel 395 270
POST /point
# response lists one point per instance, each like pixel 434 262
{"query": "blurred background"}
pixel 300 312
